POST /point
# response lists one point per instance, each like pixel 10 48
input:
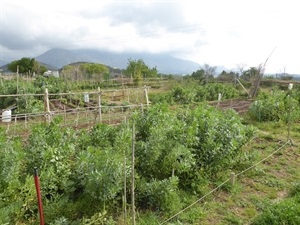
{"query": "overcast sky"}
pixel 217 32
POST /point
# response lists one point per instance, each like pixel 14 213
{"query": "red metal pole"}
pixel 39 197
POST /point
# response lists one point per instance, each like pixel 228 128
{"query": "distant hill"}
pixel 165 63
pixel 2 62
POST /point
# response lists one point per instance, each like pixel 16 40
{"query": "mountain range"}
pixel 2 62
pixel 164 63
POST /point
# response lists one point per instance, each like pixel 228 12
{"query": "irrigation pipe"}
pixel 213 190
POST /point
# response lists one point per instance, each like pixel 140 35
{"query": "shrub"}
pixel 285 212
pixel 274 107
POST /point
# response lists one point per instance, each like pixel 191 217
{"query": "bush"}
pixel 275 106
pixel 285 212
pixel 160 195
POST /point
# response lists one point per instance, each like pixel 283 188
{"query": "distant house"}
pixel 53 73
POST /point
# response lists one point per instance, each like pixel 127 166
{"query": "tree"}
pixel 94 69
pixel 209 72
pixel 25 65
pixel 241 68
pixel 77 70
pixel 250 73
pixel 38 68
pixel 137 69
pixel 199 75
pixel 227 76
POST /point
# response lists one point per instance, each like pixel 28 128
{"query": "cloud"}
pixel 145 17
pixel 215 32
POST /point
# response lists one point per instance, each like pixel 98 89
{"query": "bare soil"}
pixel 240 106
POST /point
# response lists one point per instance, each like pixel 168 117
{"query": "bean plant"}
pixel 83 172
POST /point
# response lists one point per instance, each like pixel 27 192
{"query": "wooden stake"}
pixel 47 106
pixel 132 175
pixel 99 105
pixel 232 178
pixel 146 95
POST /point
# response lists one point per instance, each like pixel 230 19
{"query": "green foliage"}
pixel 29 104
pixel 275 106
pixel 94 69
pixel 51 149
pixel 160 145
pixel 195 93
pixel 101 174
pixel 249 74
pixel 199 75
pixel 160 195
pixel 25 65
pixel 210 92
pixel 203 140
pixel 183 95
pixel 17 191
pixel 227 76
pixel 295 190
pixel 161 98
pixel 82 172
pixel 53 84
pixel 215 137
pixel 284 212
pixel 137 69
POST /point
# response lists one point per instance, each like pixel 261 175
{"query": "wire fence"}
pixel 226 181
pixel 78 109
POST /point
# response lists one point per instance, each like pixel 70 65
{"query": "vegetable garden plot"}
pixel 82 109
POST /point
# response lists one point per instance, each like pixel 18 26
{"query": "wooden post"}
pixel 289 117
pixel 132 175
pixel 15 125
pixel 77 118
pixel 128 93
pixel 65 115
pixel 232 178
pixel 17 79
pixel 99 105
pixel 125 188
pixel 122 80
pixel 86 116
pixel 219 99
pixel 146 95
pixel 25 121
pixel 47 106
pixel 109 115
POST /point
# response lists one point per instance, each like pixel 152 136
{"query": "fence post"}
pixel 219 99
pixel 25 122
pixel 289 117
pixel 39 196
pixel 77 119
pixel 132 174
pixel 47 106
pixel 232 178
pixel 109 111
pixel 146 95
pixel 99 104
pixel 65 116
pixel 15 124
